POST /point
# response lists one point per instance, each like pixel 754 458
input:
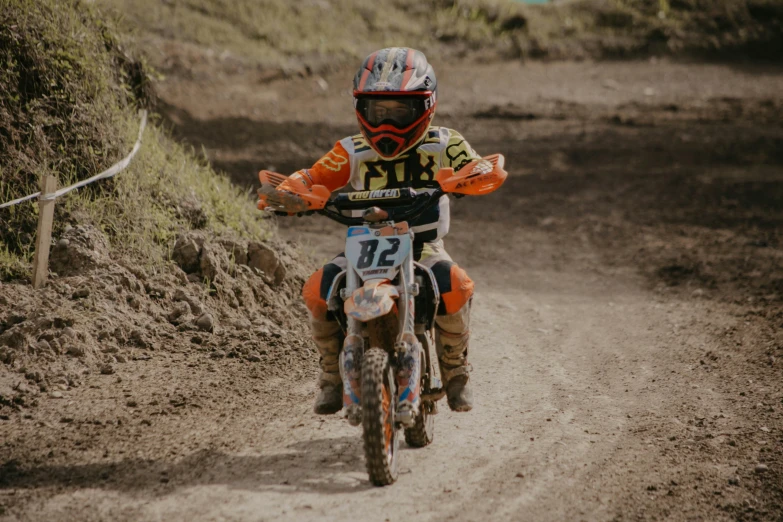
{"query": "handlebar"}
pixel 407 207
pixel 479 177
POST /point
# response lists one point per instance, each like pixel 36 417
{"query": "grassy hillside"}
pixel 183 36
pixel 70 90
pixel 71 83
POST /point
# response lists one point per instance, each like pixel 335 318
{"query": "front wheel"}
pixel 379 402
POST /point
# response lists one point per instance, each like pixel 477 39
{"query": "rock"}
pixel 43 346
pixel 263 258
pixel 195 306
pixel 734 481
pixel 107 369
pixel 134 303
pixel 79 250
pixel 156 290
pixel 56 395
pixel 254 357
pixel 187 251
pixel 180 275
pixel 131 404
pixel 179 314
pixel 217 354
pixel 761 468
pixel 7 356
pixel 14 338
pixel 139 339
pixel 280 272
pixel 206 323
pixel 81 293
pixel 213 262
pixel 75 350
pixel 764 429
pixel 69 333
pixel 236 250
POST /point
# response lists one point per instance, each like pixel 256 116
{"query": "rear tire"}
pixel 422 432
pixel 379 402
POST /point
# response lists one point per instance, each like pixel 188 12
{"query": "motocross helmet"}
pixel 394 94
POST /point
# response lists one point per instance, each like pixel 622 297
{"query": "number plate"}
pixel 376 253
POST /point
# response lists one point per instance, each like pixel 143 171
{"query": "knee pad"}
pixel 316 289
pixel 454 285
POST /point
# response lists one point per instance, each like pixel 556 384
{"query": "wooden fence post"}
pixel 43 238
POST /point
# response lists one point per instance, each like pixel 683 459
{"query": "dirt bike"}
pixel 386 304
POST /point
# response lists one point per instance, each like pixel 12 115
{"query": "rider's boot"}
pixel 328 339
pixel 453 334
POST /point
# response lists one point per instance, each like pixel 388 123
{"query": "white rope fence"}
pixel 110 172
pixel 48 195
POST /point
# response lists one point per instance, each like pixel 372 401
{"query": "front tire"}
pixel 379 402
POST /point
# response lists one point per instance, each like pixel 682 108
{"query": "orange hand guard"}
pixel 294 198
pixel 477 178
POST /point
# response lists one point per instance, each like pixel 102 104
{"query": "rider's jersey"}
pixel 352 161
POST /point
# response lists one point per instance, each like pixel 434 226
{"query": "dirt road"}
pixel 614 378
pixel 589 407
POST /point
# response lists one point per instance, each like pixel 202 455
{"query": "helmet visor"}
pixel 401 112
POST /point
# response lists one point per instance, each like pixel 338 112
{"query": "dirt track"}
pixel 624 336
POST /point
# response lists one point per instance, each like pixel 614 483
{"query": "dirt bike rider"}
pixel 395 95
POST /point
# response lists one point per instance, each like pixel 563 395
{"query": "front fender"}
pixel 375 299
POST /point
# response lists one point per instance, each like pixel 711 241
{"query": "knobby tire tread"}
pixel 418 436
pixel 374 367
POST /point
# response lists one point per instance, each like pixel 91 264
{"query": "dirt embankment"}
pixel 167 257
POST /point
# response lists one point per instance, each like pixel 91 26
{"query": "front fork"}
pixel 351 356
pixel 407 350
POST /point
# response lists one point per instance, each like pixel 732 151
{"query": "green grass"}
pixel 272 34
pixel 69 98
